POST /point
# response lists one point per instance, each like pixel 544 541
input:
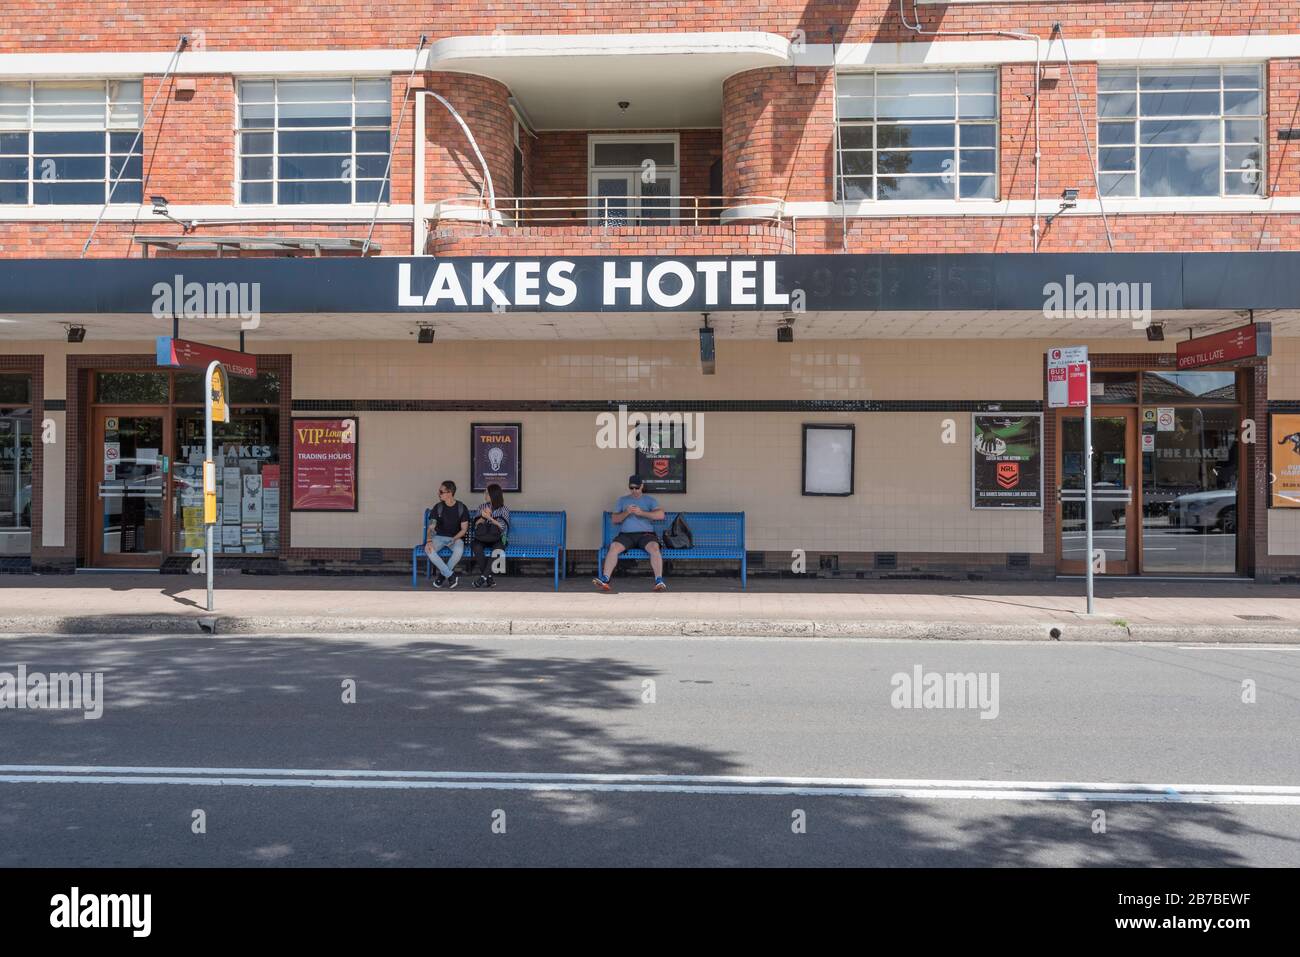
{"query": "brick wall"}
pixel 64 25
pixel 738 240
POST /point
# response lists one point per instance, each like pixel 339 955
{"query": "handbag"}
pixel 488 533
pixel 679 534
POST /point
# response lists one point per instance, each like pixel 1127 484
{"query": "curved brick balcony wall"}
pixel 450 167
pixel 739 240
pixel 777 134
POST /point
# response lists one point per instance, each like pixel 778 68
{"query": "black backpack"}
pixel 679 534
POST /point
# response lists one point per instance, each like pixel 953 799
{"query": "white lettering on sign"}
pixel 665 284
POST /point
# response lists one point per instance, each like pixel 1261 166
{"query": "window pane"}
pixel 257 144
pixel 13 144
pixel 374 90
pixel 315 167
pixel 128 191
pixel 855 84
pixel 1238 103
pixel 1109 134
pixel 1242 158
pixel 368 191
pixel 978 107
pixel 632 153
pixel 68 143
pixel 374 114
pixel 977 161
pixel 1179 78
pixel 264 390
pixel 1181 104
pixel 1117 104
pixel 256 115
pixel 857 108
pixel 917 135
pixel 979 134
pixel 1157 132
pixel 299 192
pixel 371 141
pixel 123 143
pixel 1123 159
pixel 855 137
pixel 1243 184
pixel 256 192
pixel 916 107
pixel 133 167
pixel 909 84
pixel 978 187
pixel 1110 79
pixel 1242 78
pixel 15 108
pixel 1175 386
pixel 1180 171
pixel 981 81
pixel 915 161
pixel 915 187
pixel 314 91
pixel 13 168
pixel 1242 131
pixel 149 388
pixel 255 167
pixel 13 192
pixel 68 194
pixel 59 168
pixel 856 164
pixel 257 91
pixel 1113 184
pixel 315 114
pixel 320 141
pixel 371 167
pixel 15 389
pixel 189 387
pixel 855 188
pixel 69 104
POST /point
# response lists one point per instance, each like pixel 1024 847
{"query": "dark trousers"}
pixel 483 556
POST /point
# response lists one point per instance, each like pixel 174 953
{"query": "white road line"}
pixel 658 784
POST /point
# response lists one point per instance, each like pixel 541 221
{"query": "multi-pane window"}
pixel 1180 131
pixel 66 142
pixel 314 141
pixel 924 135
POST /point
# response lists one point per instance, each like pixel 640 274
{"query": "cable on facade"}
pixel 162 84
pixel 392 145
pixel 1087 141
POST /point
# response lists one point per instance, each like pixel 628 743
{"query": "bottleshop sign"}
pixel 1244 342
pixel 185 354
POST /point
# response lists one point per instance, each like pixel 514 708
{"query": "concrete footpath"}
pixel 1126 610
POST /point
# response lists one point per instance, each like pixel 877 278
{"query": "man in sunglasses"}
pixel 635 514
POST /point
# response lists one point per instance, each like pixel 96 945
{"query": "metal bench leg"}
pixel 415 568
pixel 557 569
pixel 744 578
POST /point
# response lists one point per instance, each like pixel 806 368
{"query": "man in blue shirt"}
pixel 635 514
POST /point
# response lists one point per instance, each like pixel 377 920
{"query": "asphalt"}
pixel 495 710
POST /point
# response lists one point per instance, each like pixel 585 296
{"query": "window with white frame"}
pixel 918 135
pixel 67 142
pixel 313 141
pixel 1180 130
pixel 633 179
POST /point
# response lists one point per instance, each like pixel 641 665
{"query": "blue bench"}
pixel 717 535
pixel 531 535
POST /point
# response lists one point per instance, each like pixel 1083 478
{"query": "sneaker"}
pixel 482 582
pixel 438 580
pixel 453 581
pixel 660 585
pixel 600 581
pixel 491 582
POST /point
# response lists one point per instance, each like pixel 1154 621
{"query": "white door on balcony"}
pixel 633 179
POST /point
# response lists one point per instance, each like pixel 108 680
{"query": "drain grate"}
pixel 1259 617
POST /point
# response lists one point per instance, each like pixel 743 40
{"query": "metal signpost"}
pixel 1069 386
pixel 215 407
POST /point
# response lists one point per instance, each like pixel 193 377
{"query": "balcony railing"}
pixel 611 211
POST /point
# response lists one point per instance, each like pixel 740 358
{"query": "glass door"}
pixel 129 463
pixel 1115 477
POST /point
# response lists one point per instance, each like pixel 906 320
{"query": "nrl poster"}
pixel 1007 460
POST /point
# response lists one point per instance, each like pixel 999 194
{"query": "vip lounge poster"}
pixel 1285 461
pixel 1006 460
pixel 496 456
pixel 664 469
pixel 324 465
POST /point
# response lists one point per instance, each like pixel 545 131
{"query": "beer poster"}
pixel 1006 460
